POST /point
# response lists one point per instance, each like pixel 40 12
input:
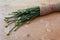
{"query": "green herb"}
pixel 21 17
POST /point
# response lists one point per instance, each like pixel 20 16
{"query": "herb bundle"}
pixel 22 16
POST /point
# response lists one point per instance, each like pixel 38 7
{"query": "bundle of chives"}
pixel 22 16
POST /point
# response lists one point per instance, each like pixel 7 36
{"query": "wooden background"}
pixel 42 28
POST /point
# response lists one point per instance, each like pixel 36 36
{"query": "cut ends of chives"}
pixel 22 16
pixel 8 34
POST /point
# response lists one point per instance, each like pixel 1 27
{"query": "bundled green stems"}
pixel 22 16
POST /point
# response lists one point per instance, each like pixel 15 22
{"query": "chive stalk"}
pixel 22 16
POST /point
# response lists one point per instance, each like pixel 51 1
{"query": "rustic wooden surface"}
pixel 42 28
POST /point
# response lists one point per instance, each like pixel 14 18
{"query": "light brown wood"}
pixel 42 28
